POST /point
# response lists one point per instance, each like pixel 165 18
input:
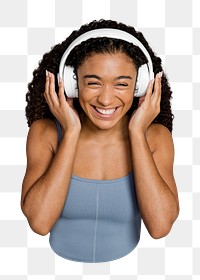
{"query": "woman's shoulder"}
pixel 159 136
pixel 44 130
pixel 44 123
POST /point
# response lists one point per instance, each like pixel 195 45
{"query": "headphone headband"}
pixel 110 33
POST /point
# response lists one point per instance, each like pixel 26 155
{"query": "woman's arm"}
pixel 47 177
pixel 152 157
pixel 155 186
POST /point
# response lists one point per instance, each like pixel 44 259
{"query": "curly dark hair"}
pixel 37 108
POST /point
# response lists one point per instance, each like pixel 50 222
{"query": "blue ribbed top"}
pixel 100 221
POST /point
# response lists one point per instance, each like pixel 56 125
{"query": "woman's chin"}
pixel 107 124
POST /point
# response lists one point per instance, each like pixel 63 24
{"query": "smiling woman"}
pixel 99 149
pixel 106 85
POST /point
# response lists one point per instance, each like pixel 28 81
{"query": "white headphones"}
pixel 145 72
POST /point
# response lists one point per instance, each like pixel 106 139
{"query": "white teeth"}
pixel 105 112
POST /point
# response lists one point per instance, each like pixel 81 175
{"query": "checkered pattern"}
pixel 30 28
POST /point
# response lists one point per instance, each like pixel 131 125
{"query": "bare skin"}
pixel 101 145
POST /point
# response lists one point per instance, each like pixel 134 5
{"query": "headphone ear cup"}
pixel 70 84
pixel 143 79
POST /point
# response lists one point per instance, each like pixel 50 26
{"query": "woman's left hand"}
pixel 148 108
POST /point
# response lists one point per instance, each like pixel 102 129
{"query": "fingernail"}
pixel 60 80
pixel 47 74
pixel 160 74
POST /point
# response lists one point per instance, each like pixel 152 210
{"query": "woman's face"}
pixel 106 85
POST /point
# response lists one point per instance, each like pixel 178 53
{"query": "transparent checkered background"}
pixel 30 28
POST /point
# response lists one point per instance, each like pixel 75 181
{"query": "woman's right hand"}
pixel 60 106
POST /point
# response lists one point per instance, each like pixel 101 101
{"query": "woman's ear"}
pixel 141 100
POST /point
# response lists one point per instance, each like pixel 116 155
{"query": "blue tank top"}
pixel 100 220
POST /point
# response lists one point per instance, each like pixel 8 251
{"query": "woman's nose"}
pixel 106 96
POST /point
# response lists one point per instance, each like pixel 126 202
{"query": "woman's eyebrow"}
pixel 123 77
pixel 91 76
pixel 99 78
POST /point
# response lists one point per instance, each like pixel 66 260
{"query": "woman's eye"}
pixel 93 84
pixel 122 85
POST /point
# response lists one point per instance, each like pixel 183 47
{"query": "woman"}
pixel 99 163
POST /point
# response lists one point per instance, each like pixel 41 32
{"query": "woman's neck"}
pixel 118 132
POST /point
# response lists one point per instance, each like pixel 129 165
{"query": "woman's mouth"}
pixel 107 112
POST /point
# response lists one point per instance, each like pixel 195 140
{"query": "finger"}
pixel 46 84
pixel 52 93
pixel 61 93
pixel 157 88
pixel 63 99
pixel 159 97
pixel 141 100
pixel 46 92
pixel 149 90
